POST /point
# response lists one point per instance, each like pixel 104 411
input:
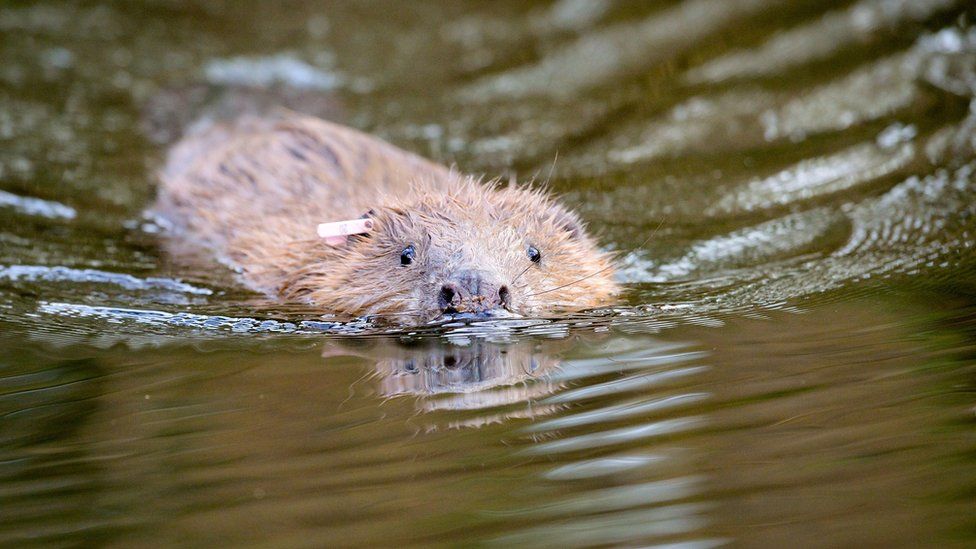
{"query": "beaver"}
pixel 441 243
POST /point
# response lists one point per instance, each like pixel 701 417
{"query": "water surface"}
pixel 790 187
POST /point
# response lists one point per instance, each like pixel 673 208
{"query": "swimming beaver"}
pixel 441 242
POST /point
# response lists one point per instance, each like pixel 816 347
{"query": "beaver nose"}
pixel 472 291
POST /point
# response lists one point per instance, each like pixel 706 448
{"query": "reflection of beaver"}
pixel 498 381
pixel 440 242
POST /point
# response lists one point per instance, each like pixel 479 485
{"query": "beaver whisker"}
pixel 545 273
pixel 514 280
pixel 551 169
pixel 608 267
pixel 577 281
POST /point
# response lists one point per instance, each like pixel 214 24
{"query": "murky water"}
pixel 791 186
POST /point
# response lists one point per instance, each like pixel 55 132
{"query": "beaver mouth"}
pixel 479 305
pixel 452 314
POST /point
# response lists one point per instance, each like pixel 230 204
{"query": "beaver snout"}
pixel 473 292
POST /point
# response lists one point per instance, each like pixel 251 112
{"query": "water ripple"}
pixel 630 383
pixel 658 522
pixel 35 206
pixel 616 498
pixel 624 48
pixel 613 465
pixel 767 243
pixel 33 273
pixel 616 412
pixel 185 320
pixel 872 91
pixel 659 355
pixel 818 39
pixel 817 177
pixel 613 437
pixel 265 72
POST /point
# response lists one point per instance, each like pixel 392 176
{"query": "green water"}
pixel 791 186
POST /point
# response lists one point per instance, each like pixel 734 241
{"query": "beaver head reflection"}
pixel 475 375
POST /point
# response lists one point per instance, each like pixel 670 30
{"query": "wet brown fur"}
pixel 254 191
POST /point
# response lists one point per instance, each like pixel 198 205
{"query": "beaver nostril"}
pixel 504 297
pixel 446 299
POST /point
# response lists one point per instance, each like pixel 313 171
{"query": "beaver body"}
pixel 254 191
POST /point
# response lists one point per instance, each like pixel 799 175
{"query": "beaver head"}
pixel 475 248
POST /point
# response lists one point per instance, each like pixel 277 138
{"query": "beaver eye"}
pixel 407 255
pixel 534 254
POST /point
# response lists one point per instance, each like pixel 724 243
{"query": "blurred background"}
pixel 789 183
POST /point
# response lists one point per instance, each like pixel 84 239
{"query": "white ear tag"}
pixel 337 232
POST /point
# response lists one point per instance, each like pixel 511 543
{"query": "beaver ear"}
pixel 567 220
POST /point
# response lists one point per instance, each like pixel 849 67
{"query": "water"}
pixel 790 187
